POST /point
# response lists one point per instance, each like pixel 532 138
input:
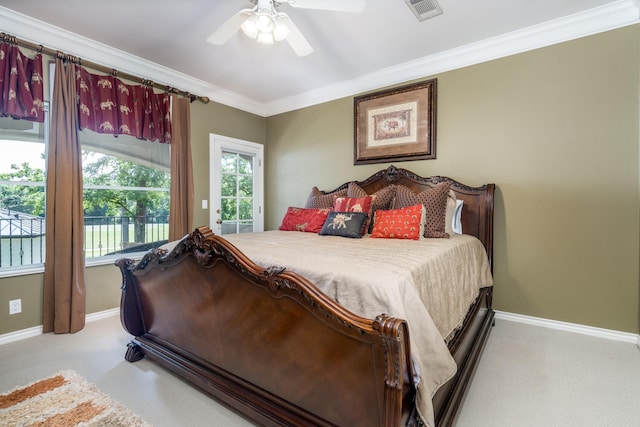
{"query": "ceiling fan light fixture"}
pixel 264 21
pixel 266 25
pixel 265 38
pixel 281 30
pixel 249 26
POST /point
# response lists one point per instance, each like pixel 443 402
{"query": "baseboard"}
pixel 37 330
pixel 91 317
pixel 20 335
pixel 571 327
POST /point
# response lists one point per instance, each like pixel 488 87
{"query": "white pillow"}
pixel 456 225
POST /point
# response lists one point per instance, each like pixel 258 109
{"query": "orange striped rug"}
pixel 65 399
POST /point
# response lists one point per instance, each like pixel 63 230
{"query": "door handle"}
pixel 219 221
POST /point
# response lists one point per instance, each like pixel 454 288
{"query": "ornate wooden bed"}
pixel 269 343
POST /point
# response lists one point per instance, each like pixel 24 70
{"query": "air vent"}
pixel 424 9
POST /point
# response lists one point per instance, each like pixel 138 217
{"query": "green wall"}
pixel 103 293
pixel 222 120
pixel 557 130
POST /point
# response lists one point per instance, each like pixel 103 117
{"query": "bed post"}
pixel 396 336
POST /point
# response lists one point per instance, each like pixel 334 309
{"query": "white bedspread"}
pixel 430 283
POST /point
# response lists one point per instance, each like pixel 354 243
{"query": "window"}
pixel 22 193
pixel 126 194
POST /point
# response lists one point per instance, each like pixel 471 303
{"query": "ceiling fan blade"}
pixel 296 40
pixel 337 5
pixel 228 28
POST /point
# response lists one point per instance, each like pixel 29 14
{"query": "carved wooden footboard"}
pixel 265 341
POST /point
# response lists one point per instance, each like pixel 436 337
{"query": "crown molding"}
pixel 604 18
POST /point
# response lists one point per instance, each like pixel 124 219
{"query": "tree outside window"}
pixel 126 196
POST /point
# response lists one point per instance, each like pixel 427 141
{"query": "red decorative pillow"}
pixel 302 219
pixel 318 200
pixel 382 199
pixel 353 204
pixel 434 200
pixel 403 223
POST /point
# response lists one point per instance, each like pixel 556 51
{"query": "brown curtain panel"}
pixel 64 285
pixel 181 204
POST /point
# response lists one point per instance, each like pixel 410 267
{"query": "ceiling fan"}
pixel 266 25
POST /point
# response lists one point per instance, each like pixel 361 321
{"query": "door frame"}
pixel 217 143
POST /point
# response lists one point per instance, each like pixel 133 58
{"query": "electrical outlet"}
pixel 15 306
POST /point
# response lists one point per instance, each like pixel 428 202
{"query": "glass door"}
pixel 237 186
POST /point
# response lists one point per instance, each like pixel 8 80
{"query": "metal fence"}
pixel 22 240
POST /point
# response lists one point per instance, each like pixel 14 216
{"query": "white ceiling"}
pixel 353 52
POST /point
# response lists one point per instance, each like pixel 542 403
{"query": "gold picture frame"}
pixel 396 125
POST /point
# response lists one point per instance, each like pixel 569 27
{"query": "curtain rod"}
pixel 112 71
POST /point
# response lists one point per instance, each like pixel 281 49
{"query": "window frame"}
pixel 33 268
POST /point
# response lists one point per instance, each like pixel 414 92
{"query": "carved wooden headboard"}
pixel 477 210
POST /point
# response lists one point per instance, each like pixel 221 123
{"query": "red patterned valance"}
pixel 21 90
pixel 107 105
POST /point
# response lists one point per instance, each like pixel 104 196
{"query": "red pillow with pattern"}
pixel 403 223
pixel 353 204
pixel 382 199
pixel 306 220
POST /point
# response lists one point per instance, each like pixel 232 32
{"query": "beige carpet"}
pixel 64 399
pixel 528 376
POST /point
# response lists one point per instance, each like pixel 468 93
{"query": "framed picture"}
pixel 396 125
